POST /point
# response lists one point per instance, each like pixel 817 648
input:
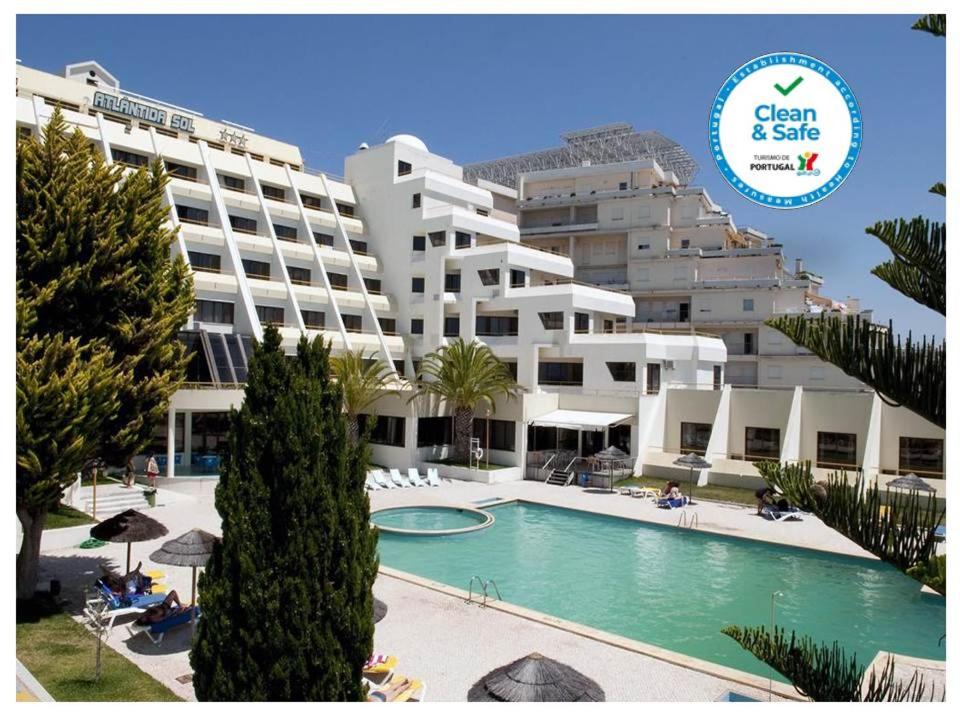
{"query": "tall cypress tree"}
pixel 287 595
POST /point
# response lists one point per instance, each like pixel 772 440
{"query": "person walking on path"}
pixel 130 475
pixel 152 470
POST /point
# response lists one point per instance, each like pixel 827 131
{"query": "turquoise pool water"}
pixel 427 518
pixel 675 588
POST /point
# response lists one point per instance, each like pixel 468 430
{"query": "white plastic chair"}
pixel 399 479
pixel 433 477
pixel 382 480
pixel 415 478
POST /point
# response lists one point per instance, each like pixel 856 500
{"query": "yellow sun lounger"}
pixel 416 686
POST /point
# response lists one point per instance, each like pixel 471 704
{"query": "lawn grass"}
pixel 62 656
pixel 65 516
pixel 720 493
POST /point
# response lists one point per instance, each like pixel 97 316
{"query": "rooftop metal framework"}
pixel 617 142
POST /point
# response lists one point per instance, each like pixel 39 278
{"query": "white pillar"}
pixel 171 441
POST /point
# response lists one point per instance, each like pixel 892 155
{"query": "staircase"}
pixel 113 503
pixel 558 477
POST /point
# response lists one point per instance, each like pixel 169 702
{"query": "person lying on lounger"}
pixel 133 583
pixel 389 694
pixel 170 606
pixel 764 498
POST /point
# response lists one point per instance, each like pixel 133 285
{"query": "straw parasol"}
pixel 379 610
pixel 609 458
pixel 128 527
pixel 911 482
pixel 694 462
pixel 535 678
pixel 192 549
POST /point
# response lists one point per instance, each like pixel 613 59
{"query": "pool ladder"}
pixel 693 523
pixel 483 586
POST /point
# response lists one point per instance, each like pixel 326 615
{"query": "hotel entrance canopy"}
pixel 580 419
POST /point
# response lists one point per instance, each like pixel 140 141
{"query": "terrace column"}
pixel 171 441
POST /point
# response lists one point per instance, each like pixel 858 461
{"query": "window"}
pixel 314 319
pixel 285 232
pixel 438 238
pixel 653 378
pixel 462 239
pixel 922 456
pixel 490 276
pixel 388 326
pixel 434 431
pixel 243 225
pixel 269 314
pixel 451 326
pixel 619 436
pixel 323 239
pixel 298 275
pixel 419 243
pixel 359 247
pixel 233 183
pixel 311 201
pixel 273 192
pixel 483 213
pixel 623 371
pixel 496 325
pixel 717 376
pixel 338 281
pixel 748 304
pixel 204 261
pixel 195 216
pixel 404 168
pixel 213 311
pixel 622 186
pixel 416 326
pixel 581 323
pixel 345 210
pixel 352 323
pixel 185 172
pixel 518 278
pixel 451 282
pixel 551 320
pixel 256 269
pixel 560 373
pixel 643 246
pixel 685 243
pixel 416 284
pixel 762 443
pixel 748 343
pixel 503 434
pixel 836 450
pixel 130 159
pixel 416 200
pixel 372 285
pixel 384 429
pixel 694 437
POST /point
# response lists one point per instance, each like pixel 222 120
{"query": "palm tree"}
pixel 464 374
pixel 364 381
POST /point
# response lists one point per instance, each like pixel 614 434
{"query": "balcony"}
pixel 559 228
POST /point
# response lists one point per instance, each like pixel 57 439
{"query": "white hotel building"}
pixel 572 281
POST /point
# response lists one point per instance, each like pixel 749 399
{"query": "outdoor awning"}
pixel 580 419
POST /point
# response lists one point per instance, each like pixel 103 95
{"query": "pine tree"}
pixel 99 298
pixel 287 595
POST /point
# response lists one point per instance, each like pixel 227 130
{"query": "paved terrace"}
pixel 427 625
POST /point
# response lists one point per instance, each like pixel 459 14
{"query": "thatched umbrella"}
pixel 192 549
pixel 535 678
pixel 694 462
pixel 129 526
pixel 379 610
pixel 610 457
pixel 911 482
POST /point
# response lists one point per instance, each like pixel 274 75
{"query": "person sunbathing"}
pixel 171 605
pixel 133 583
pixel 391 693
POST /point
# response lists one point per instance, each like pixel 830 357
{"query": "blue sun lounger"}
pixel 670 503
pixel 156 631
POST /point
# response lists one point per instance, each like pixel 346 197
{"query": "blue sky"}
pixel 479 87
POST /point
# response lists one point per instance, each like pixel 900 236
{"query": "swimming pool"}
pixel 674 588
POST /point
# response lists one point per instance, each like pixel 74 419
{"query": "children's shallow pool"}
pixel 676 588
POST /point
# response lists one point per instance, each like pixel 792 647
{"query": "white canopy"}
pixel 580 419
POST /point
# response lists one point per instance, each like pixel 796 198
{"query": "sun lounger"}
pixel 118 606
pixel 772 512
pixel 671 503
pixel 415 478
pixel 433 477
pixel 417 691
pixel 379 670
pixel 644 492
pixel 382 480
pixel 369 484
pixel 399 479
pixel 156 631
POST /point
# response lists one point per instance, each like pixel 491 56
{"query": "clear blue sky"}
pixel 479 87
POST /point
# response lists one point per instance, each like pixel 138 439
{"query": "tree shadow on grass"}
pixel 75 573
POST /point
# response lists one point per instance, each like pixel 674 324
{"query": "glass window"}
pixel 311 201
pixel 496 325
pixel 314 319
pixel 748 304
pixel 717 376
pixel 178 170
pixel 438 238
pixel 404 168
pixel 518 278
pixel 416 200
pixel 922 456
pixel 323 239
pixel 762 443
pixel 256 269
pixel 243 225
pixel 338 281
pixel 451 326
pixel 208 434
pixel 359 247
pixel 560 373
pixel 372 285
pixel 462 239
pixel 269 314
pixel 581 323
pixel 503 433
pixel 623 371
pixel 416 284
pixel 619 437
pixel 130 159
pixel 388 325
pixel 694 437
pixel 285 232
pixel 416 326
pixel 189 214
pixel 836 450
pixel 452 282
pixel 298 275
pixel 551 320
pixel 384 429
pixel 653 378
pixel 204 261
pixel 434 431
pixel 213 311
pixel 352 323
pixel 273 192
pixel 490 276
pixel 419 243
pixel 233 183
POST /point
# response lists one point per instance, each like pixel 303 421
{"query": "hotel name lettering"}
pixel 148 113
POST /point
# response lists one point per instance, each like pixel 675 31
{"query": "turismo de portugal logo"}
pixel 785 130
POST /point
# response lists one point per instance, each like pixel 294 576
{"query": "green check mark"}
pixel 789 88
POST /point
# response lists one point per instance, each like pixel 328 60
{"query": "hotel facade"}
pixel 628 305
